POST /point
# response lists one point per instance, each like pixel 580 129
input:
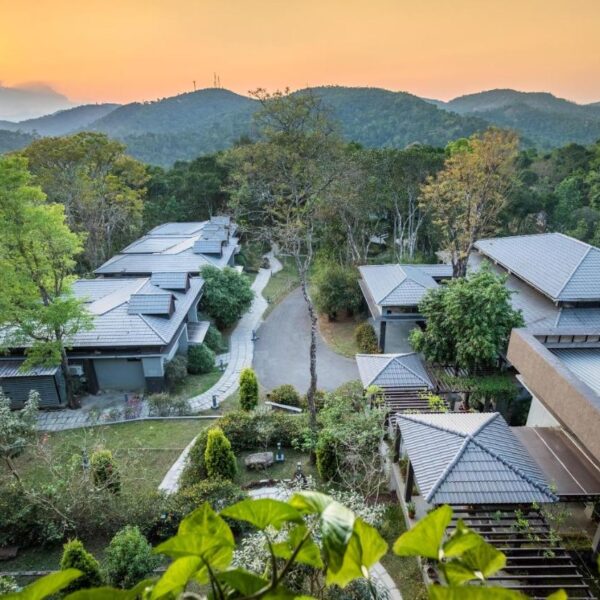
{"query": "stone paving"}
pixel 240 355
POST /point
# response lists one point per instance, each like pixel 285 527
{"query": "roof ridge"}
pixel 153 329
pixel 409 369
pixel 564 285
pixel 387 364
pixel 396 286
pixel 448 468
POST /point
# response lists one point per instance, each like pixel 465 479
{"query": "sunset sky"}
pixel 124 50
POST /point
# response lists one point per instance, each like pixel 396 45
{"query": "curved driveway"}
pixel 281 354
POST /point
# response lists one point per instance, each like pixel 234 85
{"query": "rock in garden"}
pixel 259 460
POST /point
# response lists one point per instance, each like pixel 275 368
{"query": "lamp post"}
pixel 279 456
pixel 215 404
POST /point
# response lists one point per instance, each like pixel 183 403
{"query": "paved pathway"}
pixel 241 350
pixel 281 354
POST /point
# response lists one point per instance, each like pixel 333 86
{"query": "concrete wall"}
pixel 572 403
pixel 539 416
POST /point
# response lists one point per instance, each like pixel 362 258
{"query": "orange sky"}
pixel 123 50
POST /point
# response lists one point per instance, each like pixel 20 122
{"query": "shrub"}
pixel 104 471
pixel 165 405
pixel 218 456
pixel 240 428
pixel 75 556
pixel 227 295
pixel 201 359
pixel 327 459
pixel 176 371
pixel 285 394
pixel 248 389
pixel 8 585
pixel 214 340
pixel 195 467
pixel 337 289
pixel 320 396
pixel 366 338
pixel 129 558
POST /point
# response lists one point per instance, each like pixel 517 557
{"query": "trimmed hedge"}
pixel 248 389
pixel 285 394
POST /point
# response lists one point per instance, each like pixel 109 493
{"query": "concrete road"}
pixel 281 354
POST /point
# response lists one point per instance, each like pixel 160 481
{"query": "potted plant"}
pixel 412 510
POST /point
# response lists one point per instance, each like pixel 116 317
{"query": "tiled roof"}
pixel 150 304
pixel 561 267
pixel 170 281
pixel 203 246
pixel 397 285
pixel 150 244
pixel 197 332
pixel 115 326
pixel 470 458
pixel 12 368
pixel 392 370
pixel 182 229
pixel 584 363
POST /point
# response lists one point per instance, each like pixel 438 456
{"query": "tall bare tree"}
pixel 278 183
pixel 465 198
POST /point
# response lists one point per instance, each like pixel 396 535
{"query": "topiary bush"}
pixel 218 456
pixel 105 472
pixel 201 359
pixel 248 389
pixel 75 556
pixel 176 371
pixel 285 394
pixel 129 558
pixel 366 338
pixel 214 340
pixel 165 405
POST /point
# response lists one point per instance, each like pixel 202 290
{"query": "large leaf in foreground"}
pixel 47 585
pixel 263 513
pixel 425 538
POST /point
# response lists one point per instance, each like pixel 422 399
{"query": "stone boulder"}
pixel 259 460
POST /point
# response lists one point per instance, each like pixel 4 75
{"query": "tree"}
pixel 104 471
pixel 17 429
pixel 248 389
pixel 469 321
pixel 101 188
pixel 129 558
pixel 337 289
pixel 37 258
pixel 467 196
pixel 75 556
pixel 218 456
pixel 278 183
pixel 227 295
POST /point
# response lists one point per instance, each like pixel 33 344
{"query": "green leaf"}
pixel 484 559
pixel 205 521
pixel 309 554
pixel 245 582
pixel 458 574
pixel 337 523
pixel 108 593
pixel 176 577
pixel 217 552
pixel 560 594
pixel 471 592
pixel 263 513
pixel 462 539
pixel 365 548
pixel 47 585
pixel 310 502
pixel 425 538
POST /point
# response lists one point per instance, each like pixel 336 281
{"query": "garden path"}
pixel 241 352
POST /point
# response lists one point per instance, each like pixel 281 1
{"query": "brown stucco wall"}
pixel 571 401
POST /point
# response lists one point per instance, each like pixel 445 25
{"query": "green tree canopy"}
pixel 469 321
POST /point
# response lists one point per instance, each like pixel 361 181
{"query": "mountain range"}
pixel 184 126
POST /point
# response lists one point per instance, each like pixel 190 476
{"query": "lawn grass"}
pixel 281 284
pixel 144 451
pixel 339 334
pixel 194 385
pixel 404 570
pixel 283 470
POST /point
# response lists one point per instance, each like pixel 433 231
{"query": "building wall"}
pixel 540 416
pixel 119 374
pixel 574 405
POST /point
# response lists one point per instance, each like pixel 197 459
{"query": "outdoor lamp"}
pixel 280 456
pixel 85 461
pixel 215 404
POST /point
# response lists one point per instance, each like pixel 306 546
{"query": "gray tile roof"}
pixel 440 270
pixel 470 458
pixel 150 244
pixel 392 370
pixel 203 246
pixel 397 285
pixel 150 304
pixel 12 368
pixel 170 281
pixel 116 327
pixel 579 319
pixel 197 332
pixel 561 267
pixel 221 220
pixel 584 363
pixel 183 229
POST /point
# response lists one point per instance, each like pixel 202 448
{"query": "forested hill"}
pixel 544 119
pixel 196 123
pixel 208 120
